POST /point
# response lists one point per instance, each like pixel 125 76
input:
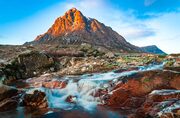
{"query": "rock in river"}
pixel 7 92
pixel 7 98
pixel 35 100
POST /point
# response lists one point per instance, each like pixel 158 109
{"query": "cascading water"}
pixel 84 89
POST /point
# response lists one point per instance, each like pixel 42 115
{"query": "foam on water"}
pixel 152 67
pixel 165 92
pixel 83 92
pixel 84 89
pixel 168 109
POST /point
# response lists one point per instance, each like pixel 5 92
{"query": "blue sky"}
pixel 141 22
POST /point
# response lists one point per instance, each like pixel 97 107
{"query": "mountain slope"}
pixel 75 28
pixel 152 49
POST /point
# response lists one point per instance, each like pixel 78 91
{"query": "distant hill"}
pixel 152 49
pixel 75 28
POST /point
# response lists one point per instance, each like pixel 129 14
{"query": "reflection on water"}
pixel 76 112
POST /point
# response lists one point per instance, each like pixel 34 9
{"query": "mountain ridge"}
pixel 152 49
pixel 75 28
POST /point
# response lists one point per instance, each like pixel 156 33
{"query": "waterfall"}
pixel 83 90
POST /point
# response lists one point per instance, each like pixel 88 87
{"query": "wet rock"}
pixel 8 104
pixel 122 99
pixel 132 94
pixel 47 81
pixel 7 92
pixel 162 95
pixel 35 100
pixel 177 69
pixel 142 83
pixel 38 81
pixel 71 99
pixel 9 81
pixel 160 103
pixel 8 98
pixel 100 92
pixel 55 84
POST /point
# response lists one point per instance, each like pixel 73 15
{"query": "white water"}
pixel 85 88
pixel 168 107
pixel 164 92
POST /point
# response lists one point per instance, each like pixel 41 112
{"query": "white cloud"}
pixel 149 2
pixel 162 30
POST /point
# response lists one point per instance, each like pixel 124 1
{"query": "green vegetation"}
pixel 113 64
pixel 147 80
pixel 169 63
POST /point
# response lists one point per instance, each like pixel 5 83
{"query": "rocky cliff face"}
pixel 75 28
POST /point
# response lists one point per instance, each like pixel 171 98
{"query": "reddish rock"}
pixel 36 100
pixel 160 98
pixel 54 84
pixel 134 94
pixel 143 83
pixel 74 28
pixel 175 83
pixel 118 98
pixel 156 103
pixel 122 99
pixel 47 81
pixel 71 99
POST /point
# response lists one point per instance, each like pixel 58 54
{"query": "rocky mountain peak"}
pixel 75 28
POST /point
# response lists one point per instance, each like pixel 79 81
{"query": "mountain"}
pixel 152 49
pixel 75 28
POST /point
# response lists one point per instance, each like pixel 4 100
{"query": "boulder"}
pixel 160 103
pixel 110 55
pixel 8 97
pixel 28 65
pixel 35 100
pixel 8 104
pixel 132 94
pixel 7 92
pixel 35 62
